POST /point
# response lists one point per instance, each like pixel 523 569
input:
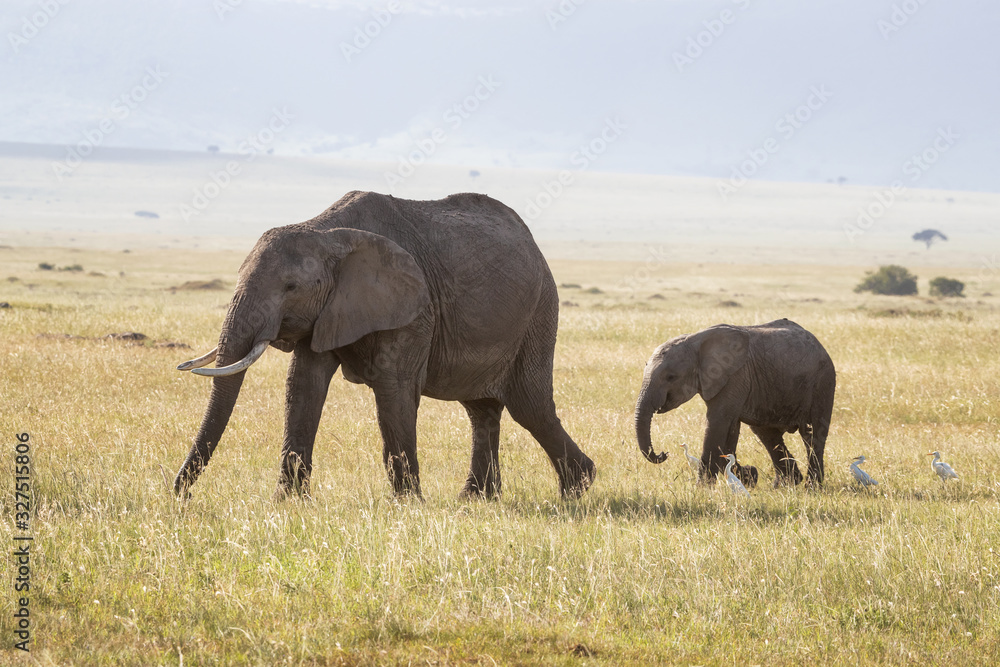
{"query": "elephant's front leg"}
pixel 721 437
pixel 397 420
pixel 309 376
pixel 718 434
pixel 484 471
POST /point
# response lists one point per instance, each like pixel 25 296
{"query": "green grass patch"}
pixel 646 568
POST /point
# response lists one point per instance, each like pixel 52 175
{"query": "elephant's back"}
pixel 486 221
pixel 461 223
pixel 783 341
pixel 488 280
pixel 793 335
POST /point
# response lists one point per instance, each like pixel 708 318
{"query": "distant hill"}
pixel 654 220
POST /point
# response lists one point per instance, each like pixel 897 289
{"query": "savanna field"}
pixel 646 568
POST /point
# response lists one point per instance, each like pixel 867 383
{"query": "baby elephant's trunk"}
pixel 644 409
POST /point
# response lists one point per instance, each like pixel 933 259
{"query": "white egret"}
pixel 693 461
pixel 735 485
pixel 943 470
pixel 863 478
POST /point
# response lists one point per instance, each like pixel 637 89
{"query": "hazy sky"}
pixel 872 91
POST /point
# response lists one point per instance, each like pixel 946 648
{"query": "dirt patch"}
pixel 191 285
pixel 906 312
pixel 60 336
pixel 934 313
pixel 171 344
pixel 128 337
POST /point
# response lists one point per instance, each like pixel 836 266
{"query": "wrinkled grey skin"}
pixel 449 299
pixel 773 377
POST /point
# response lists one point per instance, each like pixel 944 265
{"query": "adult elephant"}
pixel 774 377
pixel 450 299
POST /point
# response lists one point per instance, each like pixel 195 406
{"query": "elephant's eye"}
pixel 671 378
pixel 290 287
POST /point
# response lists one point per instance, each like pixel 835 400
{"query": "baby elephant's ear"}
pixel 376 286
pixel 722 350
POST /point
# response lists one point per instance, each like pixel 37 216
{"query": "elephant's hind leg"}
pixel 528 397
pixel 814 438
pixel 785 468
pixel 484 471
pixel 819 423
pixel 532 407
pixel 574 468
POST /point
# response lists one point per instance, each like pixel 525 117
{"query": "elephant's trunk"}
pixel 644 409
pixel 225 390
pixel 239 340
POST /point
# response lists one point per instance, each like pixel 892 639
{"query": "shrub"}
pixel 45 266
pixel 892 279
pixel 942 286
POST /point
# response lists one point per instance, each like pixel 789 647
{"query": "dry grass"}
pixel 645 568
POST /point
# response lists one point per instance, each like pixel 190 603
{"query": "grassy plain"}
pixel 646 568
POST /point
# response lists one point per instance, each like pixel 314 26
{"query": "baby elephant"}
pixel 774 377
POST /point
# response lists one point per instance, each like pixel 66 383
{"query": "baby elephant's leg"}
pixel 785 468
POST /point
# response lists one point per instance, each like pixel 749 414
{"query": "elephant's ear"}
pixel 377 286
pixel 722 351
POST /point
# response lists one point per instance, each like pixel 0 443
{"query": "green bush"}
pixel 45 266
pixel 942 286
pixel 892 279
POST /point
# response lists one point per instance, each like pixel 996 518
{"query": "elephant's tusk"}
pixel 239 366
pixel 203 360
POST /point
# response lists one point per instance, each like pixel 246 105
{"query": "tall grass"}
pixel 645 568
